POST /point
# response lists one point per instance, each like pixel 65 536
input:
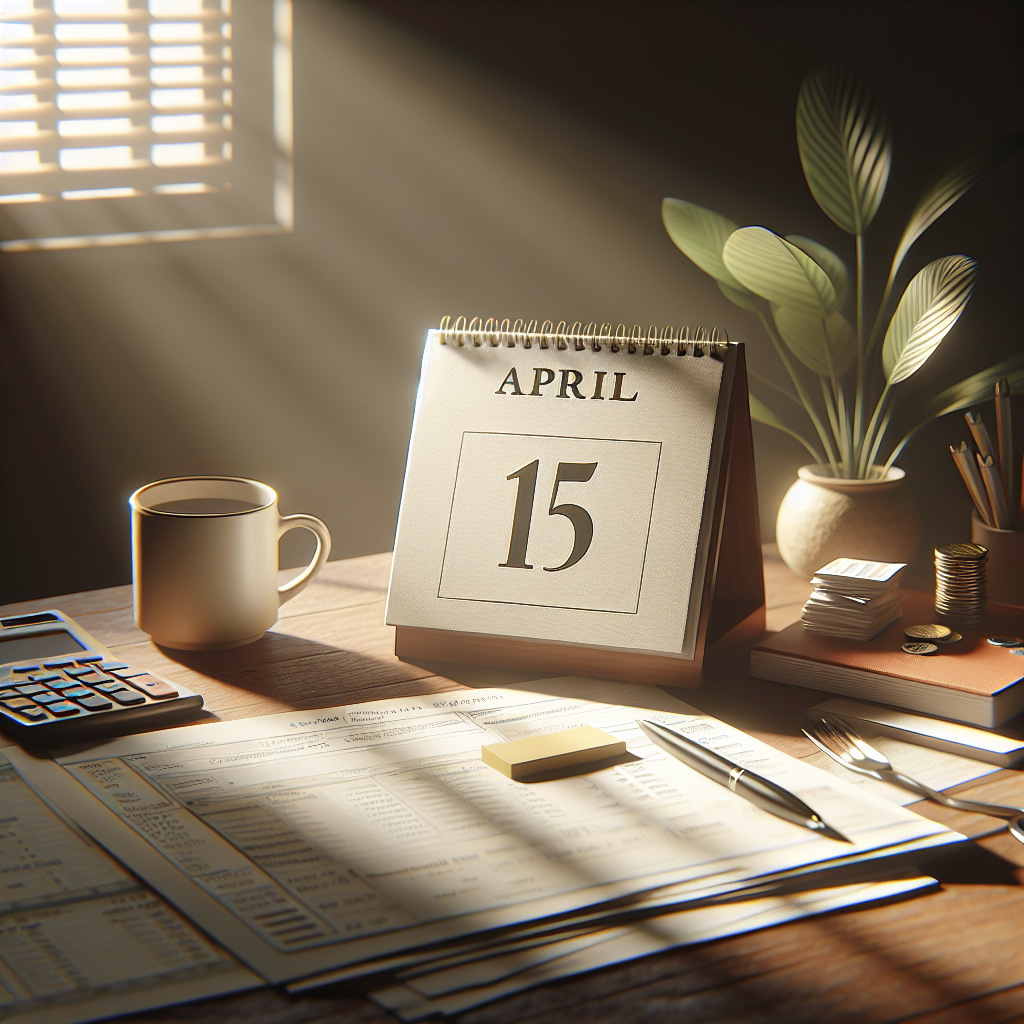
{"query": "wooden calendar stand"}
pixel 732 606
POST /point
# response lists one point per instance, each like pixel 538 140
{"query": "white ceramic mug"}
pixel 205 560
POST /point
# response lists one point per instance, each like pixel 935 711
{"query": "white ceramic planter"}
pixel 822 518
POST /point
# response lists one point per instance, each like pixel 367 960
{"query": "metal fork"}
pixel 835 738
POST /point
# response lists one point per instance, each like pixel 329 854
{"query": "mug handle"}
pixel 323 549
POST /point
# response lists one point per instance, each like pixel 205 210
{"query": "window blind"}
pixel 147 118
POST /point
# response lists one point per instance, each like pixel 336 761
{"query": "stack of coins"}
pixel 960 581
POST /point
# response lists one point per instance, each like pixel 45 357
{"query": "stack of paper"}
pixel 82 939
pixel 370 841
pixel 854 599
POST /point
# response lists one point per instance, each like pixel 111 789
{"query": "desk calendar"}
pixel 578 500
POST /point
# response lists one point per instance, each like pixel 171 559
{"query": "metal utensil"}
pixel 835 738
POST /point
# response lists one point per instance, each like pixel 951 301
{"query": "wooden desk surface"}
pixel 951 956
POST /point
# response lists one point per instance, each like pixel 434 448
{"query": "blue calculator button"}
pixel 63 709
pixel 95 702
pixel 88 659
pixel 77 691
pixel 45 677
pixel 122 696
pixel 27 691
pixel 31 712
pixel 96 677
pixel 47 698
pixel 79 671
pixel 63 684
pixel 127 697
pixel 24 668
pixel 108 666
pixel 58 662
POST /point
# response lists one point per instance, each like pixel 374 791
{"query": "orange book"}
pixel 969 681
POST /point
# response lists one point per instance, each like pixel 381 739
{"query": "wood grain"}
pixel 953 956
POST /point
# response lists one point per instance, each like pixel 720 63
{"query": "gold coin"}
pixel 968 552
pixel 928 632
pixel 953 638
pixel 920 648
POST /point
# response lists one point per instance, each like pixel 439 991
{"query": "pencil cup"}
pixel 1005 569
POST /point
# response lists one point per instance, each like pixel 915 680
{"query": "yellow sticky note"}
pixel 551 751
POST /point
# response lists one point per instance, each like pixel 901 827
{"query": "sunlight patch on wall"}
pixel 166 121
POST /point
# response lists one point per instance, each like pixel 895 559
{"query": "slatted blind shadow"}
pixel 130 99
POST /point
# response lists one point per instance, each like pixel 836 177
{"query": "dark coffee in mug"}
pixel 204 506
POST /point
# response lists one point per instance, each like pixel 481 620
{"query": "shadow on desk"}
pixel 972 865
pixel 303 674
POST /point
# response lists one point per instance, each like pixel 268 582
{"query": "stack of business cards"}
pixel 854 599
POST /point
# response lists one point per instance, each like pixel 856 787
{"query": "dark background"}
pixel 295 359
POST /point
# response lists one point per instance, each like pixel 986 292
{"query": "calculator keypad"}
pixel 79 686
pixel 81 691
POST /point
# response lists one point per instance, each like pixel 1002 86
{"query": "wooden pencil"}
pixel 963 457
pixel 1004 433
pixel 994 487
pixel 980 434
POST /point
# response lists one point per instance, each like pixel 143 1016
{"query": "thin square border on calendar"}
pixel 532 604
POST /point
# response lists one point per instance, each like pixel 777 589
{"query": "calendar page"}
pixel 557 495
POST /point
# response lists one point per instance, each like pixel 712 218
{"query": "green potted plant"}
pixel 815 312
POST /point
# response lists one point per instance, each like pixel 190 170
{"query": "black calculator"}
pixel 58 683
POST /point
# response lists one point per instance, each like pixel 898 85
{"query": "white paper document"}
pixel 450 989
pixel 80 938
pixel 307 841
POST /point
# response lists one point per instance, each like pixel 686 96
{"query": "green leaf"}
pixel 951 181
pixel 979 387
pixel 845 147
pixel 740 296
pixel 778 271
pixel 700 234
pixel 815 340
pixel 760 412
pixel 930 306
pixel 828 261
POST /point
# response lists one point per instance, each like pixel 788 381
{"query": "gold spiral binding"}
pixel 495 333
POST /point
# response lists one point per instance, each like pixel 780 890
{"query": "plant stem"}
pixel 875 327
pixel 815 454
pixel 846 440
pixel 772 384
pixel 878 439
pixel 896 451
pixel 798 384
pixel 906 438
pixel 858 407
pixel 830 409
pixel 869 433
pixel 837 409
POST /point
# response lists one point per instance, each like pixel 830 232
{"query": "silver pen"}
pixel 759 791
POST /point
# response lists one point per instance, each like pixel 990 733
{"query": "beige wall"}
pixel 424 187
